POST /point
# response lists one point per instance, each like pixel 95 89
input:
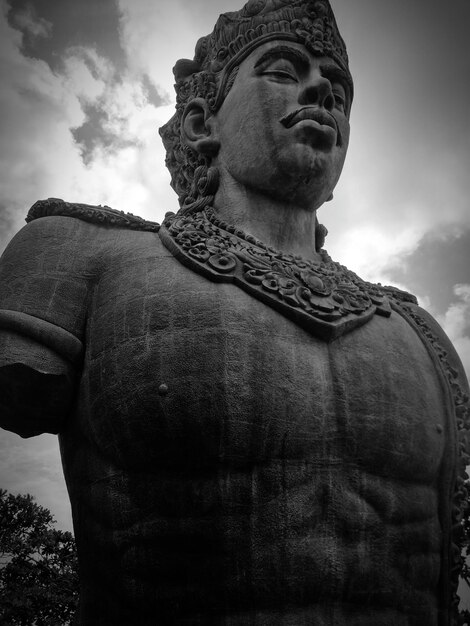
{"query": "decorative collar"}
pixel 325 298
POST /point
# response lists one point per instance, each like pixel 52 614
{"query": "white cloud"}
pixel 85 73
pixel 395 189
pixel 155 36
pixel 456 323
pixel 406 173
pixel 369 249
pixel 36 115
pixel 40 108
pixel 388 200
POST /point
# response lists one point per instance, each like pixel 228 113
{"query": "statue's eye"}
pixel 340 102
pixel 282 74
pixel 282 71
pixel 340 96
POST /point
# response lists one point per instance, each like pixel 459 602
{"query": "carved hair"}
pixel 192 177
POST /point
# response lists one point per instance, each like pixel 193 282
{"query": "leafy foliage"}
pixel 38 565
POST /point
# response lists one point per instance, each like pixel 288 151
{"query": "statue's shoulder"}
pixel 398 295
pixel 93 236
pixel 100 215
pixel 432 333
pixel 427 327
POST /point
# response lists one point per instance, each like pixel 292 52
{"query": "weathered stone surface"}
pixel 278 478
pixel 249 436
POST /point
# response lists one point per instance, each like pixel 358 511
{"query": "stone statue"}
pixel 250 433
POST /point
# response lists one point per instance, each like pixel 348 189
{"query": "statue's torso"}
pixel 222 459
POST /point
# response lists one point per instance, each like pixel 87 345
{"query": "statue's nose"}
pixel 317 90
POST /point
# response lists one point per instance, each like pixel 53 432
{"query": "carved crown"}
pixel 237 33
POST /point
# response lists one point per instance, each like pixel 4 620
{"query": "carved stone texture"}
pixel 250 433
pixel 95 215
pixel 225 463
pixel 326 298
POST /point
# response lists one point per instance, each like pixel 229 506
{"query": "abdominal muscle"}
pixel 313 499
pixel 279 543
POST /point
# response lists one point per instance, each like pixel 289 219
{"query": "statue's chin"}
pixel 300 176
pixel 309 190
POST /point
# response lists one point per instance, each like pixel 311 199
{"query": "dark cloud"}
pixel 151 93
pixel 435 268
pixel 85 23
pixel 94 133
pixel 413 55
pixel 56 32
pixel 30 24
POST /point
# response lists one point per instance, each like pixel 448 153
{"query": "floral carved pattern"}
pixel 326 298
pixel 461 411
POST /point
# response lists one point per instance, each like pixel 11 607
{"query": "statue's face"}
pixel 283 127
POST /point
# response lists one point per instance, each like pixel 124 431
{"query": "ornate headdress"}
pixel 212 73
pixel 237 33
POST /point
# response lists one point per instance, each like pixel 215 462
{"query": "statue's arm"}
pixel 36 386
pixel 43 293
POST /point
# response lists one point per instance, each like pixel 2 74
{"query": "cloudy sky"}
pixel 85 86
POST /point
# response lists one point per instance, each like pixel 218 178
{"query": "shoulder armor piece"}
pixel 103 215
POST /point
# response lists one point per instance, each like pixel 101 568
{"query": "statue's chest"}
pixel 183 370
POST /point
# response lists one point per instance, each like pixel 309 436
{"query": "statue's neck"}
pixel 280 225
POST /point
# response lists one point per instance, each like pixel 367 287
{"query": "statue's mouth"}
pixel 315 114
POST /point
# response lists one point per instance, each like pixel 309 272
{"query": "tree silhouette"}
pixel 38 565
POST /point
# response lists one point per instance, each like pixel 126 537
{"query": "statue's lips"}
pixel 320 116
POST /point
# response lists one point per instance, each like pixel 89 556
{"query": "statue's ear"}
pixel 197 128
